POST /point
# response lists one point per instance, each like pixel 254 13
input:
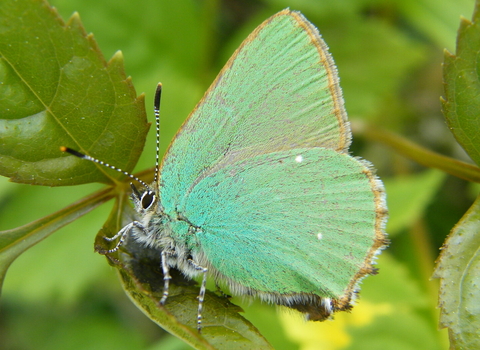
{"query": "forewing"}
pixel 278 91
pixel 296 221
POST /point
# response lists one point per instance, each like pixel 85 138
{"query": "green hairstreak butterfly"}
pixel 258 189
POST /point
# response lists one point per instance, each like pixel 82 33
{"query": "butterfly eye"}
pixel 147 199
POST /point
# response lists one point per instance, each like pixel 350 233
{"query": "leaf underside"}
pixel 458 268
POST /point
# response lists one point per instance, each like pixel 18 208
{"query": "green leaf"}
pixel 458 268
pixel 434 18
pixel 58 90
pixel 16 241
pixel 462 87
pixel 384 44
pixel 409 196
pixel 141 275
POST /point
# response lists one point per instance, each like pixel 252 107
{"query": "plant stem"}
pixel 421 154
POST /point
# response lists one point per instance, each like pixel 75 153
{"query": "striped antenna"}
pixel 156 106
pixel 156 109
pixel 84 156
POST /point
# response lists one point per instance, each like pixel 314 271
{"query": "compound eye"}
pixel 148 198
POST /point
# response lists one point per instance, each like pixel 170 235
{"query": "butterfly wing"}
pixel 305 221
pixel 278 91
pixel 261 168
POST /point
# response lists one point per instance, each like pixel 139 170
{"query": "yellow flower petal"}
pixel 330 334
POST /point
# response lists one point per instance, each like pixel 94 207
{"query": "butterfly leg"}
pixel 166 277
pixel 123 235
pixel 201 295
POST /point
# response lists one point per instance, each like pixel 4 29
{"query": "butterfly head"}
pixel 145 201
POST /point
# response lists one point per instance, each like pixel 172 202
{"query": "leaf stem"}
pixel 421 154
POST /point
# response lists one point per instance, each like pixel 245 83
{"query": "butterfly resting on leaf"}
pixel 258 189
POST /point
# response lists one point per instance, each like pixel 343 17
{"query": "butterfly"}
pixel 258 189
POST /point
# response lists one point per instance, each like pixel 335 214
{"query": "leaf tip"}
pixel 76 23
pixel 117 58
pixel 75 17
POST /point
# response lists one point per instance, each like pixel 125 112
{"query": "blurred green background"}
pixel 60 294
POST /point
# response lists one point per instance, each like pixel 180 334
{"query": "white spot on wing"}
pixel 319 236
pixel 299 158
